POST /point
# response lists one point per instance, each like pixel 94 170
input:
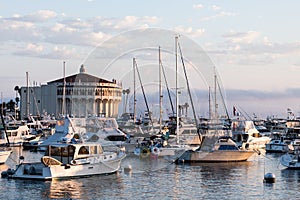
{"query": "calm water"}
pixel 152 178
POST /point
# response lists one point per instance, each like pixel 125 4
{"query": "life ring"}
pixel 145 153
pixel 155 151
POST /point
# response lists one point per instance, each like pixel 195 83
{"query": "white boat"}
pixel 223 150
pixel 247 136
pixel 281 145
pixel 90 129
pixel 66 160
pixel 16 132
pixel 290 160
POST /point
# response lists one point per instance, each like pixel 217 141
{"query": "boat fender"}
pixel 155 151
pixel 145 152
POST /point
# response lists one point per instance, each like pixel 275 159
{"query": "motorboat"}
pixel 223 150
pixel 15 133
pixel 282 145
pixel 290 160
pixel 102 130
pixel 247 136
pixel 66 160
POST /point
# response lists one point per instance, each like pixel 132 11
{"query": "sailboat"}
pixel 215 146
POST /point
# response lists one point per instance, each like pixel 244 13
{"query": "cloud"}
pixel 218 15
pixel 191 32
pixel 241 37
pixel 197 6
pixel 215 8
pixel 39 16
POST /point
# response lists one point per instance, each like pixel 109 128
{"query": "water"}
pixel 152 178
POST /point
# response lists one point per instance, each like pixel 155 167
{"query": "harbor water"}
pixel 158 178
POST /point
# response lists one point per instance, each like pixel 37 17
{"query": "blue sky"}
pixel 253 44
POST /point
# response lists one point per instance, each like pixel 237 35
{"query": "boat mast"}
pixel 134 97
pixel 27 96
pixel 5 129
pixel 148 110
pixel 189 91
pixel 168 90
pixel 215 98
pixel 176 89
pixel 160 90
pixel 64 90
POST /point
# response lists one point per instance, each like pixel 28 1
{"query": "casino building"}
pixel 77 95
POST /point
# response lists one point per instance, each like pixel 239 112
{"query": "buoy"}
pixel 269 178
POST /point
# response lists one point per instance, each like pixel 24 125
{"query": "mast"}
pixel 160 90
pixel 209 104
pixel 63 110
pixel 189 91
pixel 27 95
pixel 148 110
pixel 215 98
pixel 134 95
pixel 176 89
pixel 168 90
pixel 5 129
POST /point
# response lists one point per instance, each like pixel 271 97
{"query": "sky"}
pixel 253 44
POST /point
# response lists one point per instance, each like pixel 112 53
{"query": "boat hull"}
pixel 39 171
pixel 215 156
pixel 291 161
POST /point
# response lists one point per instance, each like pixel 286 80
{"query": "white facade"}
pixel 82 95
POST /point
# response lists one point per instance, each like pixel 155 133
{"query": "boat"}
pixel 290 160
pixel 281 145
pixel 223 150
pixel 87 129
pixel 247 136
pixel 67 160
pixel 17 132
pixel 5 151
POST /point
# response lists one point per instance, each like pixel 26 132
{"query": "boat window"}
pixel 83 150
pixel 2 135
pixel 93 149
pixel 227 147
pixel 14 133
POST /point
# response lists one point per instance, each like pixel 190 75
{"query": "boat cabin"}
pixel 67 153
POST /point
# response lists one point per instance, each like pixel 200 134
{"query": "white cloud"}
pixel 215 8
pixel 197 6
pixel 34 48
pixel 40 16
pixel 218 15
pixel 189 31
pixel 242 37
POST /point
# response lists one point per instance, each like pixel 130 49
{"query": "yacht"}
pixel 247 136
pixel 223 150
pixel 66 160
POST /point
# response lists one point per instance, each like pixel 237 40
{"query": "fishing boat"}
pixel 66 160
pixel 224 150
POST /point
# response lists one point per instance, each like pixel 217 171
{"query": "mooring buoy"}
pixel 269 178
